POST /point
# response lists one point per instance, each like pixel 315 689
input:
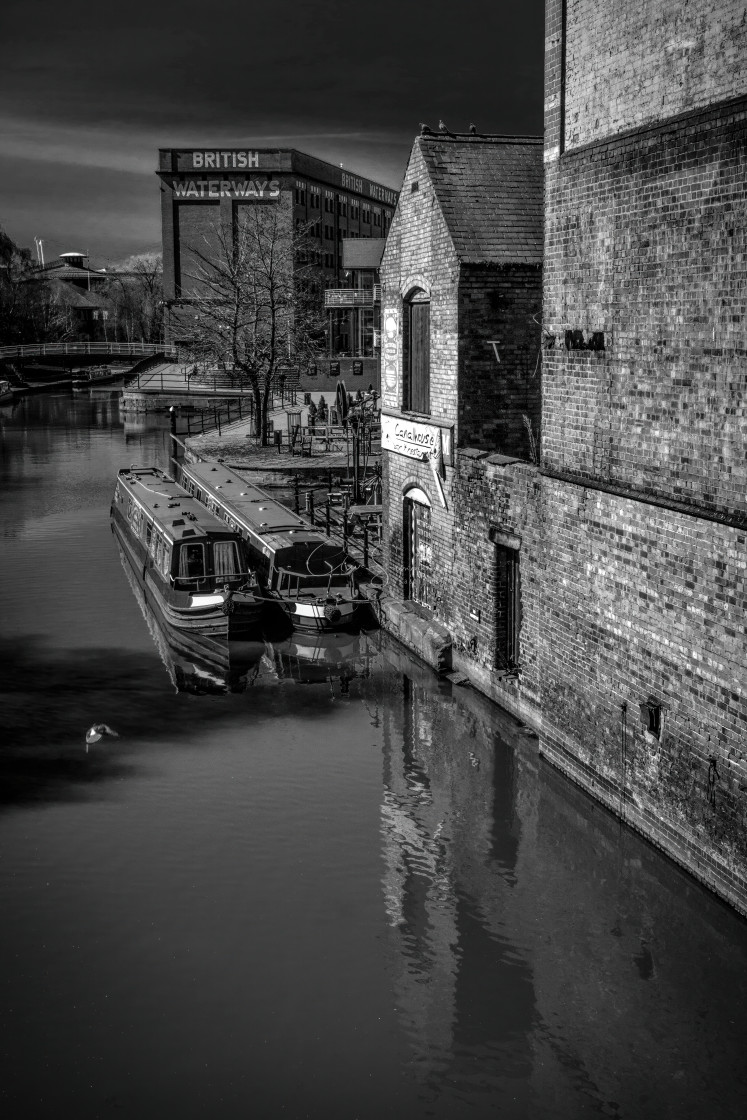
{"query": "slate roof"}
pixel 72 296
pixel 61 270
pixel 490 190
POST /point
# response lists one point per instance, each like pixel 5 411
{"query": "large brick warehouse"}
pixel 595 587
pixel 644 680
pixel 206 191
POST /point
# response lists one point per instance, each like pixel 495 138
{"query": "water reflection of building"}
pixel 449 851
pixel 540 952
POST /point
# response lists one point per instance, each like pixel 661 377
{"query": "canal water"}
pixel 320 883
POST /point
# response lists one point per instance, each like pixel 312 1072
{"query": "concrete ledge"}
pixel 415 626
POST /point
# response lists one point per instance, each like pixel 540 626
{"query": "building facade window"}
pixel 416 388
pixel 508 608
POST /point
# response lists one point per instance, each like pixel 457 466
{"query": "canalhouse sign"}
pixel 414 439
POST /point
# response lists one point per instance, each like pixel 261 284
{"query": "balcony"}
pixel 348 297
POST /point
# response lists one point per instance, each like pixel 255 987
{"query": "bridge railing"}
pixel 108 349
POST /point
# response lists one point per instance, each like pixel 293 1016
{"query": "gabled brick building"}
pixel 461 301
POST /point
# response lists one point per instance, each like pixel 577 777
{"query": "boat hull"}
pixel 329 617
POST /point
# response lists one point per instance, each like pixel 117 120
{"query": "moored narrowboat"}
pixel 310 576
pixel 193 567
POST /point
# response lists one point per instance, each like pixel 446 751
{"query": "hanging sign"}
pixel 415 439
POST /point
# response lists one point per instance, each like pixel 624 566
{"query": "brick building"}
pixel 203 192
pixel 643 682
pixel 461 302
pixel 599 592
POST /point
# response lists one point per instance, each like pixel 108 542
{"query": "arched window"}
pixel 416 321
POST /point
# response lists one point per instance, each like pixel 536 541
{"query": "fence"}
pixel 108 349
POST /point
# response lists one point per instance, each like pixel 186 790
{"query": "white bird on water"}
pixel 97 731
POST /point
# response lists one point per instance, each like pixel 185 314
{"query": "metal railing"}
pixel 348 297
pixel 109 349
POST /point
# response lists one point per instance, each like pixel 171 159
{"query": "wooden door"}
pixel 417 552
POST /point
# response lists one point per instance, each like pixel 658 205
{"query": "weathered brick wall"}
pixel 503 304
pixel 640 601
pixel 484 499
pixel 645 241
pixel 419 253
pixel 632 63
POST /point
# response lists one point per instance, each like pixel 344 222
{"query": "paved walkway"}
pixel 236 445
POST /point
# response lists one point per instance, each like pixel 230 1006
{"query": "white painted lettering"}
pixel 197 159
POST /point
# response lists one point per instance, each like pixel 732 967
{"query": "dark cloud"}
pixel 104 86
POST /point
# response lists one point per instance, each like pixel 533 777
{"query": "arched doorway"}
pixel 417 551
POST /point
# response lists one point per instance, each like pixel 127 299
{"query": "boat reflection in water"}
pixel 317 658
pixel 202 665
pixel 197 663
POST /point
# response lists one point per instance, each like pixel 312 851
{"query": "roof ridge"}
pixel 482 138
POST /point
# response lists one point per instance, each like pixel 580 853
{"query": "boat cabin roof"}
pixel 255 507
pixel 175 511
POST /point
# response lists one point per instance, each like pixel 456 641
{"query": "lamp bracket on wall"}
pixel 495 343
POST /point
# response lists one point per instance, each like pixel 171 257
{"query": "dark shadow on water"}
pixel 51 697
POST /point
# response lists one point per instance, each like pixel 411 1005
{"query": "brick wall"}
pixel 632 63
pixel 503 304
pixel 645 146
pixel 644 241
pixel 643 602
pixel 419 253
pixel 486 502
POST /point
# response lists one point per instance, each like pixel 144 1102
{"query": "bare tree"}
pixel 135 298
pixel 260 313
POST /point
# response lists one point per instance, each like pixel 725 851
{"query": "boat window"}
pixel 166 559
pixel 191 561
pixel 226 558
pixel 158 550
pixel 148 532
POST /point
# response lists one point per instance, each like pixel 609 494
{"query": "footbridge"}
pixel 100 350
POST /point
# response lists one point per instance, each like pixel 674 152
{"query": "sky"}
pixel 90 91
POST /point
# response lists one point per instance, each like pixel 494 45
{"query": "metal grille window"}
pixel 417 547
pixel 508 608
pixel 416 396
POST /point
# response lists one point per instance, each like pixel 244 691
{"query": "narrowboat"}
pixel 310 576
pixel 196 663
pixel 191 565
